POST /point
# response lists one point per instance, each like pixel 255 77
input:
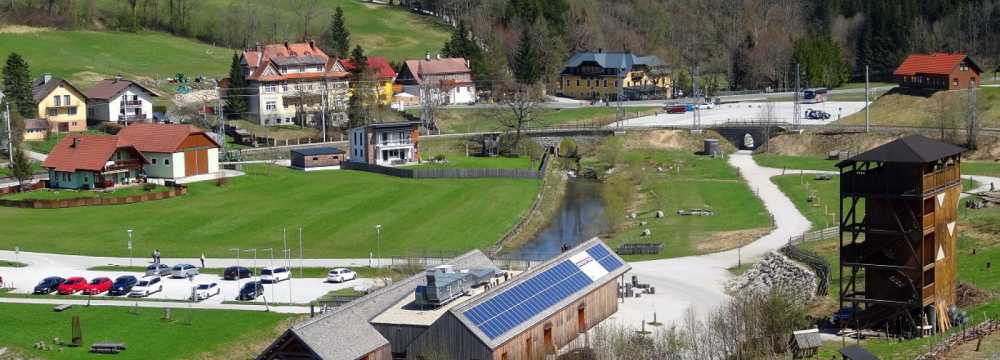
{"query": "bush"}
pixel 567 148
pixel 439 157
pixel 148 187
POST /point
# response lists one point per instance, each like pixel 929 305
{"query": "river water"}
pixel 580 218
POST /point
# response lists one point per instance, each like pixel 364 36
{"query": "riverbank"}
pixel 551 195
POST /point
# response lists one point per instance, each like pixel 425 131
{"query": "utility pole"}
pixel 973 127
pixel 621 93
pixel 868 123
pixel 222 118
pixel 10 140
pixel 694 94
pixel 326 99
pixel 301 274
pixel 796 109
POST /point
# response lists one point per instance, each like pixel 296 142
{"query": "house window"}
pixel 271 105
pixel 315 158
pixel 52 111
pixel 577 82
pixel 166 161
pixel 605 82
pixel 58 102
pixel 72 111
pixel 284 87
pixel 588 83
pixel 269 88
pixel 954 82
pixel 66 100
pixel 154 161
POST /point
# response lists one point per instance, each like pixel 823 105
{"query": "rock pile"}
pixel 777 271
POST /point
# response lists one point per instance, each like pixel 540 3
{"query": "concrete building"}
pixel 317 158
pixel 502 316
pixel 938 71
pixel 120 101
pixel 292 83
pixel 597 75
pixel 444 81
pixel 174 150
pixel 60 104
pixel 93 162
pixel 385 144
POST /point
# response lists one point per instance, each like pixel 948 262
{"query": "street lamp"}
pixel 271 264
pixel 129 247
pixel 378 239
pixel 254 251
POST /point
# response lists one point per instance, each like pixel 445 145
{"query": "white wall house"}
pixel 444 81
pixel 174 151
pixel 120 101
pixel 385 144
pixel 295 84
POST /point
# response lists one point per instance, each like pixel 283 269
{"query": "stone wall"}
pixel 777 271
pixel 95 201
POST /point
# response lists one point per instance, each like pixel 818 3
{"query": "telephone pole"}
pixel 868 126
pixel 796 109
pixel 973 127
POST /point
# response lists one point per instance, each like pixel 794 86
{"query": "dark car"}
pixel 251 291
pixel 49 285
pixel 231 272
pixel 123 285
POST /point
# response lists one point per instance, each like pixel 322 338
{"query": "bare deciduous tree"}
pixel 515 114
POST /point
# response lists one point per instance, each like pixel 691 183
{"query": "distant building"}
pixel 384 76
pixel 938 71
pixel 288 81
pixel 446 81
pixel 491 314
pixel 174 151
pixel 596 75
pixel 61 104
pixel 120 101
pixel 317 158
pixel 385 144
pixel 93 162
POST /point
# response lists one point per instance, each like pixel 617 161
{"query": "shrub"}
pixel 439 157
pixel 567 147
pixel 148 187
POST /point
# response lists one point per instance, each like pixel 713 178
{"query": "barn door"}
pixel 190 163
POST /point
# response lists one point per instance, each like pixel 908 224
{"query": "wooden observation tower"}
pixel 898 212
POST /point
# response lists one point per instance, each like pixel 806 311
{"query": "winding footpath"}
pixel 695 283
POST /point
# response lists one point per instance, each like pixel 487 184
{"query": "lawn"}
pixel 54 194
pixel 479 162
pixel 338 211
pixel 977 230
pixel 822 209
pixel 146 335
pixel 911 110
pixel 795 162
pixel 686 182
pixel 280 133
pixel 146 55
pixel 452 121
pixel 36 167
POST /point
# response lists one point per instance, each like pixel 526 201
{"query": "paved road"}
pixel 747 111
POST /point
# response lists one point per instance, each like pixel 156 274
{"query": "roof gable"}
pixel 111 88
pixel 41 89
pixel 289 54
pixel 444 66
pixel 86 152
pixel 913 149
pixel 160 138
pixel 379 64
pixel 933 64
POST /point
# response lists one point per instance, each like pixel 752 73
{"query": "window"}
pixel 284 87
pixel 269 88
pixel 588 83
pixel 166 161
pixel 66 100
pixel 315 158
pixel 577 82
pixel 271 105
pixel 58 100
pixel 72 111
pixel 154 161
pixel 605 82
pixel 52 111
pixel 954 82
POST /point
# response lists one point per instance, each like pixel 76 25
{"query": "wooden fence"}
pixel 815 235
pixel 443 173
pixel 94 201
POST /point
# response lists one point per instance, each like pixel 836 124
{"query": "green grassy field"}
pixel 86 57
pixel 910 110
pixel 36 167
pixel 452 121
pixel 147 336
pixel 338 211
pixel 475 162
pixel 977 230
pixel 51 194
pixel 636 185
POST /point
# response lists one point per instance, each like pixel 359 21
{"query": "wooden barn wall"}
pixel 399 336
pixel 599 305
pixel 448 338
pixel 382 353
pixel 196 141
pixel 945 269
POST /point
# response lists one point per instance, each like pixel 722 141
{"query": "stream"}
pixel 580 218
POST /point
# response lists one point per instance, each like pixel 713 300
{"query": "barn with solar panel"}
pixel 531 315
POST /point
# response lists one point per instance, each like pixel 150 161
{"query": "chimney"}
pixel 118 77
pixel 286 45
pixel 312 44
pixel 260 53
pixel 46 77
pixel 600 50
pixel 427 56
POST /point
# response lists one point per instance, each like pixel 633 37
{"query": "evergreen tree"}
pixel 338 38
pixel 17 85
pixel 822 61
pixel 236 103
pixel 363 91
pixel 360 60
pixel 526 68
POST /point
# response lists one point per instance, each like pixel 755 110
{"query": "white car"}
pixel 341 275
pixel 706 106
pixel 274 274
pixel 146 286
pixel 204 291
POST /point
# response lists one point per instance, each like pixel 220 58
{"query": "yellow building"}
pixel 596 75
pixel 383 74
pixel 60 103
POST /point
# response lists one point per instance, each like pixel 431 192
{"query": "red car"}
pixel 676 109
pixel 72 285
pixel 98 286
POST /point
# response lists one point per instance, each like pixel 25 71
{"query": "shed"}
pixel 855 352
pixel 317 158
pixel 805 343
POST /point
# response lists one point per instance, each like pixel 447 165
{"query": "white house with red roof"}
pixel 939 71
pixel 121 101
pixel 446 81
pixel 288 82
pixel 83 161
pixel 174 151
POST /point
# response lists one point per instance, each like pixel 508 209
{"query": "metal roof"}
pixel 584 268
pixel 855 352
pixel 913 149
pixel 615 60
pixel 807 339
pixel 318 151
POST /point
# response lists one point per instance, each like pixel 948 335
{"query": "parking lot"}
pixel 296 290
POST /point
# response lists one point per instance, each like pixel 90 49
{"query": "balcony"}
pixel 132 103
pixel 941 178
pixel 394 143
pixel 897 183
pixel 120 165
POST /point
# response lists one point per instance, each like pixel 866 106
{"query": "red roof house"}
pixel 174 150
pixel 82 161
pixel 379 64
pixel 938 71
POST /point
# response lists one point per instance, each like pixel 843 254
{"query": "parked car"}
pixel 206 290
pixel 72 285
pixel 812 114
pixel 97 286
pixel 706 106
pixel 250 291
pixel 158 270
pixel 676 109
pixel 341 275
pixel 123 285
pixel 274 274
pixel 232 272
pixel 146 286
pixel 183 271
pixel 48 285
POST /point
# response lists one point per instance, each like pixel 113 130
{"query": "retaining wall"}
pixel 96 201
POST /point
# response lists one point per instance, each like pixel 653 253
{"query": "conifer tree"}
pixel 526 68
pixel 236 103
pixel 17 86
pixel 338 38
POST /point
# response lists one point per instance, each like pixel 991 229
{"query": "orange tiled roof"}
pixel 931 64
pixel 86 152
pixel 159 138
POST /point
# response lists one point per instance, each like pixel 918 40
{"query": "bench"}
pixel 62 307
pixel 107 348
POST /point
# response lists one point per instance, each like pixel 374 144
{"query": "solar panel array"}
pixel 516 304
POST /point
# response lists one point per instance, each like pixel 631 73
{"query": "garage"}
pixel 195 162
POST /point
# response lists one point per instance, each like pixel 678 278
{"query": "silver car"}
pixel 158 270
pixel 183 271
